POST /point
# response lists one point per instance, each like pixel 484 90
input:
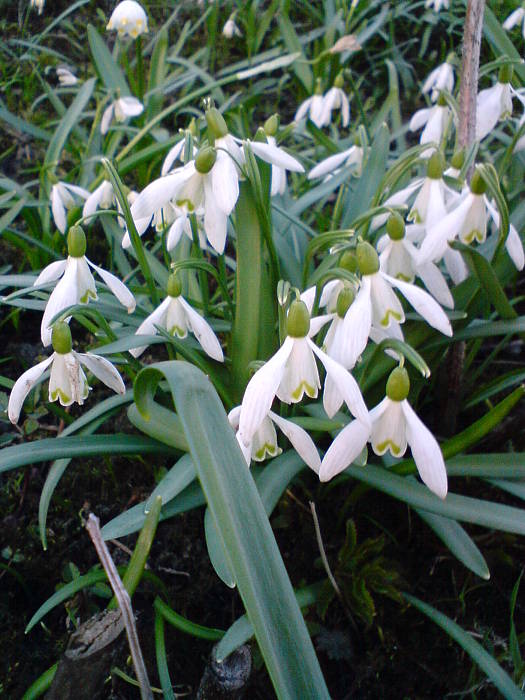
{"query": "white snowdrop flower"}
pixel 104 197
pixel 516 17
pixel 230 29
pixel 429 205
pixel 494 104
pixel 292 372
pixel 437 5
pixel 67 381
pixel 264 441
pixel 178 317
pixel 279 159
pixel 121 109
pixel 129 19
pixel 328 298
pixel 312 107
pixel 38 5
pixel 333 164
pixel 394 425
pixel 65 76
pixel 468 220
pixel 336 99
pixel 176 152
pixel 441 78
pixel 435 120
pixel 76 284
pixel 395 200
pixel 513 242
pixel 63 198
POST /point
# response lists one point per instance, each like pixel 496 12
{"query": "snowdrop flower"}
pixel 429 205
pixel 76 285
pixel 230 29
pixel 121 109
pixel 394 425
pixel 434 119
pixel 176 152
pixel 516 17
pixel 129 19
pixel 441 78
pixel 333 164
pixel 264 441
pixel 103 197
pixel 513 242
pixel 38 4
pixel 399 258
pixel 65 76
pixel 494 104
pixel 63 198
pixel 313 107
pixel 468 220
pixel 67 382
pixel 437 4
pixel 336 98
pixel 291 373
pixel 178 317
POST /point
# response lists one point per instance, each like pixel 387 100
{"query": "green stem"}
pixel 140 69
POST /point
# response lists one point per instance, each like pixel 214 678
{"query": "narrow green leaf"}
pixel 184 625
pixel 482 658
pixel 179 476
pixel 167 427
pixel 502 45
pixel 458 542
pixel 157 74
pixel 22 126
pixel 217 551
pixel 506 465
pixel 107 69
pixel 41 685
pixel 240 517
pixel 292 42
pixel 162 661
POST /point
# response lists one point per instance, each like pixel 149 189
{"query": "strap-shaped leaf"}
pixel 239 515
pixel 108 70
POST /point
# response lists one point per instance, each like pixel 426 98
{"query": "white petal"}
pixel 233 417
pixel 308 296
pixel 147 327
pixel 328 165
pixel 276 156
pixel 93 201
pixel 23 386
pixel 317 323
pixel 159 192
pixel 67 381
pixel 58 209
pixel 388 428
pixel 514 18
pixel 303 109
pixel 86 289
pixel 63 295
pixel 300 440
pixel 79 191
pixel 215 221
pixel 514 248
pixel 433 131
pixel 106 119
pixel 488 110
pixel 261 390
pixel 346 447
pixel 203 332
pixel 386 307
pixel 424 304
pixel 173 154
pixel 426 452
pixel 431 80
pixel 420 118
pixel 225 182
pixel 51 273
pixel 436 284
pixel 356 325
pixel 345 110
pixel 317 112
pixel 117 287
pixel 346 383
pixel 300 374
pixel 130 106
pixel 103 370
pixel 435 242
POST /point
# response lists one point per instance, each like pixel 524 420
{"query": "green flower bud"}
pixel 441 100
pixel 395 226
pixel 174 288
pixel 205 160
pixel 61 338
pixel 344 301
pixel 339 80
pixel 271 125
pixel 319 86
pixel 298 320
pixel 435 166
pixel 348 261
pixel 478 184
pixel 505 74
pixel 76 242
pixel 367 258
pixel 398 384
pixel 216 123
pixel 260 135
pixel 458 159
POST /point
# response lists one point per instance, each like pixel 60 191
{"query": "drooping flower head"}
pixel 313 107
pixel 516 17
pixel 494 103
pixel 129 19
pixel 121 109
pixel 441 78
pixel 64 197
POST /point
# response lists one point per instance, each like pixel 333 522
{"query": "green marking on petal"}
pixel 403 278
pixel 59 394
pixel 87 296
pixel 390 313
pixel 307 389
pixel 382 447
pixel 179 332
pixel 267 448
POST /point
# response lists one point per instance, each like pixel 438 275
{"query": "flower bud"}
pixel 505 74
pixel 298 320
pixel 478 184
pixel 395 227
pixel 458 159
pixel 216 123
pixel 344 300
pixel 76 242
pixel 271 125
pixel 367 258
pixel 339 80
pixel 398 384
pixel 61 338
pixel 319 86
pixel 348 261
pixel 435 166
pixel 174 287
pixel 205 160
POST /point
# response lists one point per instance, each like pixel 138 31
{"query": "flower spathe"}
pixel 121 109
pixel 129 19
pixel 264 441
pixel 67 381
pixel 178 317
